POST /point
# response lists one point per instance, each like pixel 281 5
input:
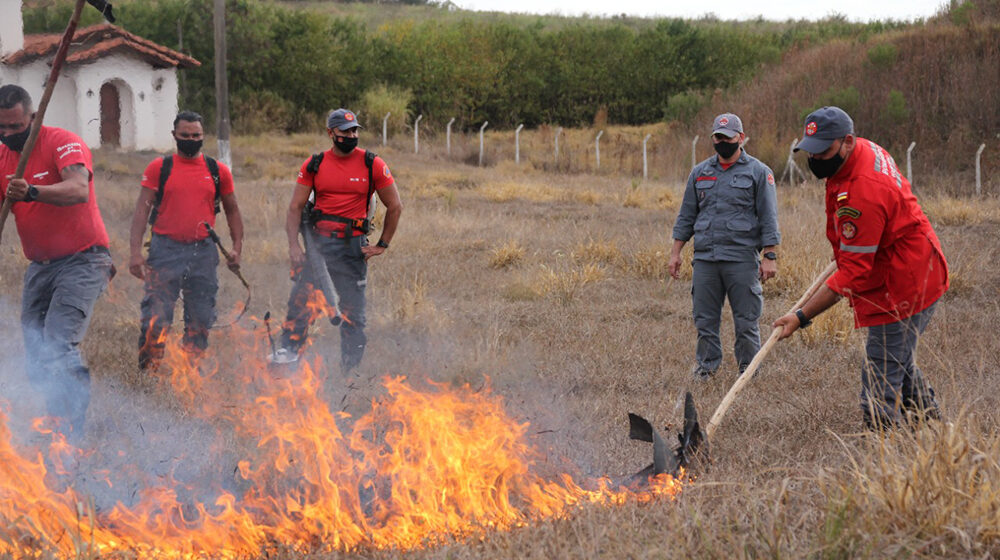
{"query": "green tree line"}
pixel 287 65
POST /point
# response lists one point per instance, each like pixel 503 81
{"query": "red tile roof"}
pixel 96 41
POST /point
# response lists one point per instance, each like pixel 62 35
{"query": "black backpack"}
pixel 165 168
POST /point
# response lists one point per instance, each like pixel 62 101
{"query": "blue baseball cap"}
pixel 728 125
pixel 342 119
pixel 823 126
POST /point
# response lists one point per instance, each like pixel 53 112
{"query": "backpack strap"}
pixel 166 164
pixel 370 163
pixel 314 161
pixel 213 170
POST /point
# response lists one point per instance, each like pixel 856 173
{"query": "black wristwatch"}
pixel 381 243
pixel 32 193
pixel 771 256
pixel 803 322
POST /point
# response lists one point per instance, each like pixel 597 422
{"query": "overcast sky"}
pixel 855 10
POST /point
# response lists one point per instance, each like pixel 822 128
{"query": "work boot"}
pixel 701 373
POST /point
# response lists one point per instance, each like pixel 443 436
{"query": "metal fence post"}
pixel 448 135
pixel 909 164
pixel 645 168
pixel 517 144
pixel 979 175
pixel 597 148
pixel 416 134
pixel 694 142
pixel 481 129
pixel 558 132
pixel 385 120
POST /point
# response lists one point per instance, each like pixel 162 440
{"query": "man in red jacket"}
pixel 889 264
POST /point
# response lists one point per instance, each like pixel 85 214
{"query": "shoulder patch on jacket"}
pixel 848 211
pixel 842 197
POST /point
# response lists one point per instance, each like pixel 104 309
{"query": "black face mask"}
pixel 823 168
pixel 726 149
pixel 188 148
pixel 16 141
pixel 345 144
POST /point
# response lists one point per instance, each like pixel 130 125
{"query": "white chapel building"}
pixel 115 89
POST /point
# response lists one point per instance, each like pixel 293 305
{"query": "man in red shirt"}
pixel 178 194
pixel 63 236
pixel 889 264
pixel 338 182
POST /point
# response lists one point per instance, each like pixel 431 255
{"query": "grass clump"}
pixel 507 255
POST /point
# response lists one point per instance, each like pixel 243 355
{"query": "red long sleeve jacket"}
pixel 889 261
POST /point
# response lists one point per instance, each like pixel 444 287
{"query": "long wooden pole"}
pixel 43 104
pixel 747 374
pixel 221 84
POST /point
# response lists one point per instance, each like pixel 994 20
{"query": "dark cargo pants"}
pixel 175 268
pixel 57 303
pixel 711 284
pixel 349 272
pixel 891 381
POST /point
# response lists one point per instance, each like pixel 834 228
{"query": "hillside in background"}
pixel 931 82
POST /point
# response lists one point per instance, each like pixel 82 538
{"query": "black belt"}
pixel 91 249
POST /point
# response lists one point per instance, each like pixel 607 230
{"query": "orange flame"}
pixel 420 467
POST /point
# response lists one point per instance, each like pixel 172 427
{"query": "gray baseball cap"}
pixel 823 126
pixel 728 124
pixel 342 119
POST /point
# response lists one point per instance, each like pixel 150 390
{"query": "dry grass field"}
pixel 550 284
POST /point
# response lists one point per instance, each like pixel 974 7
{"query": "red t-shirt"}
pixel 48 231
pixel 341 184
pixel 188 196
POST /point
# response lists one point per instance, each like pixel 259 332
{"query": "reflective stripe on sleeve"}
pixel 858 248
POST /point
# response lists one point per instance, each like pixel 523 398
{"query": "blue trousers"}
pixel 175 268
pixel 349 272
pixel 56 306
pixel 891 382
pixel 711 284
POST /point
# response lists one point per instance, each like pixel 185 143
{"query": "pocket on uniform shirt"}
pixel 743 190
pixel 739 224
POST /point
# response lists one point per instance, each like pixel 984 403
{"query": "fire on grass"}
pixel 419 467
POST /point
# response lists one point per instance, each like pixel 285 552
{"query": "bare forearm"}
pixel 292 222
pixel 391 223
pixel 822 300
pixel 235 221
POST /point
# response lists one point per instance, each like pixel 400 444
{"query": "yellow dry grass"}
pixel 554 285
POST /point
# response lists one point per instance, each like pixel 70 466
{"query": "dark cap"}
pixel 823 126
pixel 728 124
pixel 342 119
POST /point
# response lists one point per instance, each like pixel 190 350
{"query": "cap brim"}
pixel 726 132
pixel 814 145
pixel 348 125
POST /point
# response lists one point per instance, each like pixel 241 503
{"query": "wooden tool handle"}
pixel 748 373
pixel 43 104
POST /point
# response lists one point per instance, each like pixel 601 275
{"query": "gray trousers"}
pixel 56 306
pixel 175 268
pixel 349 272
pixel 891 381
pixel 711 284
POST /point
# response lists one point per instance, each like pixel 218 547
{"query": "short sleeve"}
pixel 151 176
pixel 226 184
pixel 381 174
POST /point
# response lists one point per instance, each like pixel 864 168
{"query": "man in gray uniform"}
pixel 730 207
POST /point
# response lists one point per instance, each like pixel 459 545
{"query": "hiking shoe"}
pixel 701 373
pixel 283 356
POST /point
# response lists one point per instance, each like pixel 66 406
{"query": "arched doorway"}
pixel 111 113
